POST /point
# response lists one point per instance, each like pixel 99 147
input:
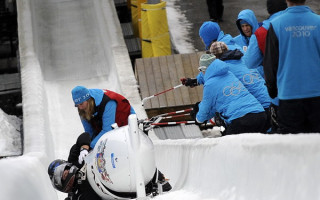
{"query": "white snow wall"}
pixel 245 167
pixel 62 43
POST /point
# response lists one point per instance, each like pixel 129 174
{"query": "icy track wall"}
pixel 243 167
pixel 33 180
pixel 247 167
pixel 26 177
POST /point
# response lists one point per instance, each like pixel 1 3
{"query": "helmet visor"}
pixel 57 179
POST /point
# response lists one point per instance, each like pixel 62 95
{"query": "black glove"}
pixel 200 123
pixel 195 110
pixel 218 120
pixel 189 82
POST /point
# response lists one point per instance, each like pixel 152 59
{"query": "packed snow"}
pixel 10 137
pixel 69 43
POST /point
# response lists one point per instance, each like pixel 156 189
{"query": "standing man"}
pixel 292 67
pixel 215 8
pixel 253 57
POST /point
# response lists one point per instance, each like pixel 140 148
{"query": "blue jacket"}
pixel 108 117
pixel 253 57
pixel 251 79
pixel 292 57
pixel 224 93
pixel 248 16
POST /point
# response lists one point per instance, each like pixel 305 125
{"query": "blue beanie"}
pixel 242 21
pixel 80 94
pixel 209 31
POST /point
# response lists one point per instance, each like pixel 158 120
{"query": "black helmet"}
pixel 62 175
pixel 53 166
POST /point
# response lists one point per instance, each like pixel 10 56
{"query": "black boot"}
pixel 164 182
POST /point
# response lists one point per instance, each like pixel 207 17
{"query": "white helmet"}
pixel 110 165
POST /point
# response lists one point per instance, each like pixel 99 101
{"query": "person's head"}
pixel 209 32
pixel 247 22
pixel 274 6
pixel 246 28
pixel 62 175
pixel 80 95
pixel 295 2
pixel 218 48
pixel 204 61
pixel 83 101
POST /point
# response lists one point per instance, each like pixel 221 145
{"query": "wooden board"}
pixel 158 74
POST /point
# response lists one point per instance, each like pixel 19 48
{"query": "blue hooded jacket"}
pixel 253 57
pixel 224 93
pixel 108 117
pixel 248 15
pixel 250 78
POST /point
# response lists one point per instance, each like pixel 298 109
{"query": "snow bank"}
pixel 10 139
pixel 247 166
pixel 62 44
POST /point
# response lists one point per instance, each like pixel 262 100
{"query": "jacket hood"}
pixel 231 55
pixel 249 16
pixel 226 38
pixel 97 95
pixel 216 68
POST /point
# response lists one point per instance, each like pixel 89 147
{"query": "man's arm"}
pixel 271 61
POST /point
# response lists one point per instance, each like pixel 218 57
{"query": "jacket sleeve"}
pixel 83 139
pixel 87 127
pixel 200 78
pixel 108 118
pixel 253 57
pixel 206 111
pixel 270 62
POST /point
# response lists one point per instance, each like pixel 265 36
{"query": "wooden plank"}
pixel 10 81
pixel 180 72
pixel 199 54
pixel 158 81
pixel 195 64
pixel 150 82
pixel 158 74
pixel 166 80
pixel 142 81
pixel 175 80
pixel 188 69
pixel 157 111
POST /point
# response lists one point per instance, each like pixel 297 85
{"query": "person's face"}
pixel 65 174
pixel 83 105
pixel 246 29
pixel 70 183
